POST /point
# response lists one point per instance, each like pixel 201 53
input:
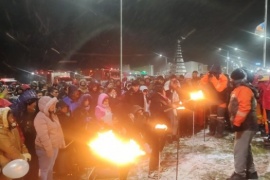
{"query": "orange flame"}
pixel 113 149
pixel 196 95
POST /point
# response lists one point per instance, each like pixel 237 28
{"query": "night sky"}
pixel 37 34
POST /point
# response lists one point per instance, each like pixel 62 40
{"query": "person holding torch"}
pixel 215 85
pixel 160 121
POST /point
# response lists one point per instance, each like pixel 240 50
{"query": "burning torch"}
pixel 116 150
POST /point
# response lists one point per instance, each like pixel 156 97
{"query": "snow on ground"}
pixel 202 158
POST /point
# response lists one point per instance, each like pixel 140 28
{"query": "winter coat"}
pixel 11 145
pixel 103 113
pixel 49 131
pixel 158 106
pixel 134 98
pixel 264 87
pixel 216 88
pixel 242 108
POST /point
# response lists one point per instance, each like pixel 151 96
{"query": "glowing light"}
pixel 32 73
pixel 114 149
pixel 181 106
pixel 161 126
pixel 196 95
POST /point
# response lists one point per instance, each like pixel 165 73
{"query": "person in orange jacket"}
pixel 242 109
pixel 215 86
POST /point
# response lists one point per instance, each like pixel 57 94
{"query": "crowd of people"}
pixel 51 124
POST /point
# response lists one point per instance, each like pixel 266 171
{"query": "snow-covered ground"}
pixel 202 158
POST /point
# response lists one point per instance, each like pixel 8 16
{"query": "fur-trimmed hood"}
pixel 45 102
pixel 3 117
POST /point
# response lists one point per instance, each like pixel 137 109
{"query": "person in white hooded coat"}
pixel 49 136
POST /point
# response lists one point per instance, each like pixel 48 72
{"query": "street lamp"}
pixel 228 58
pixel 166 60
pixel 166 63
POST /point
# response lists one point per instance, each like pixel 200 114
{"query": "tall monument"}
pixel 180 68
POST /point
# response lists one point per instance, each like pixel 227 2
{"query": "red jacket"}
pixel 264 88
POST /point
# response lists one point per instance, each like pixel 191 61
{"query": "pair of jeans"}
pixel 46 163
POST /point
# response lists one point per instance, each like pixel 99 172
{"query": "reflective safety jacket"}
pixel 216 88
pixel 242 108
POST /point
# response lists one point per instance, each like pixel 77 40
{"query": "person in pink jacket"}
pixel 103 111
pixel 49 136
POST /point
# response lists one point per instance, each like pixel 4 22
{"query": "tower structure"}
pixel 180 68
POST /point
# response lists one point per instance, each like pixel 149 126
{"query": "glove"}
pixel 236 128
pixel 27 156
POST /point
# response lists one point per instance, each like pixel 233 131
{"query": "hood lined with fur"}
pixel 45 102
pixel 3 117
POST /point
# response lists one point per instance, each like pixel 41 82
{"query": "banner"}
pixel 260 29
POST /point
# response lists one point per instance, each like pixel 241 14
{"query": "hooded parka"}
pixel 11 145
pixel 49 131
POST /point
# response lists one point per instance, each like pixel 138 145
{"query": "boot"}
pixel 236 176
pixel 253 175
pixel 262 129
pixel 267 141
pixel 212 127
pixel 220 128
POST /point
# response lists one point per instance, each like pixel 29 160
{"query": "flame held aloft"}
pixel 114 149
pixel 196 95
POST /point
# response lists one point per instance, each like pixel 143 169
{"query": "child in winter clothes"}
pixel 103 111
pixel 11 145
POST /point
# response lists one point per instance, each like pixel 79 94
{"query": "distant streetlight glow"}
pixel 166 60
pixel 228 58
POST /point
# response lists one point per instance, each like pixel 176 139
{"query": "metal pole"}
pixel 121 43
pixel 204 123
pixel 177 151
pixel 159 156
pixel 265 33
pixel 166 68
pixel 193 123
pixel 228 59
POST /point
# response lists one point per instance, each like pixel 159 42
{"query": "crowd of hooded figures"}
pixel 49 125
